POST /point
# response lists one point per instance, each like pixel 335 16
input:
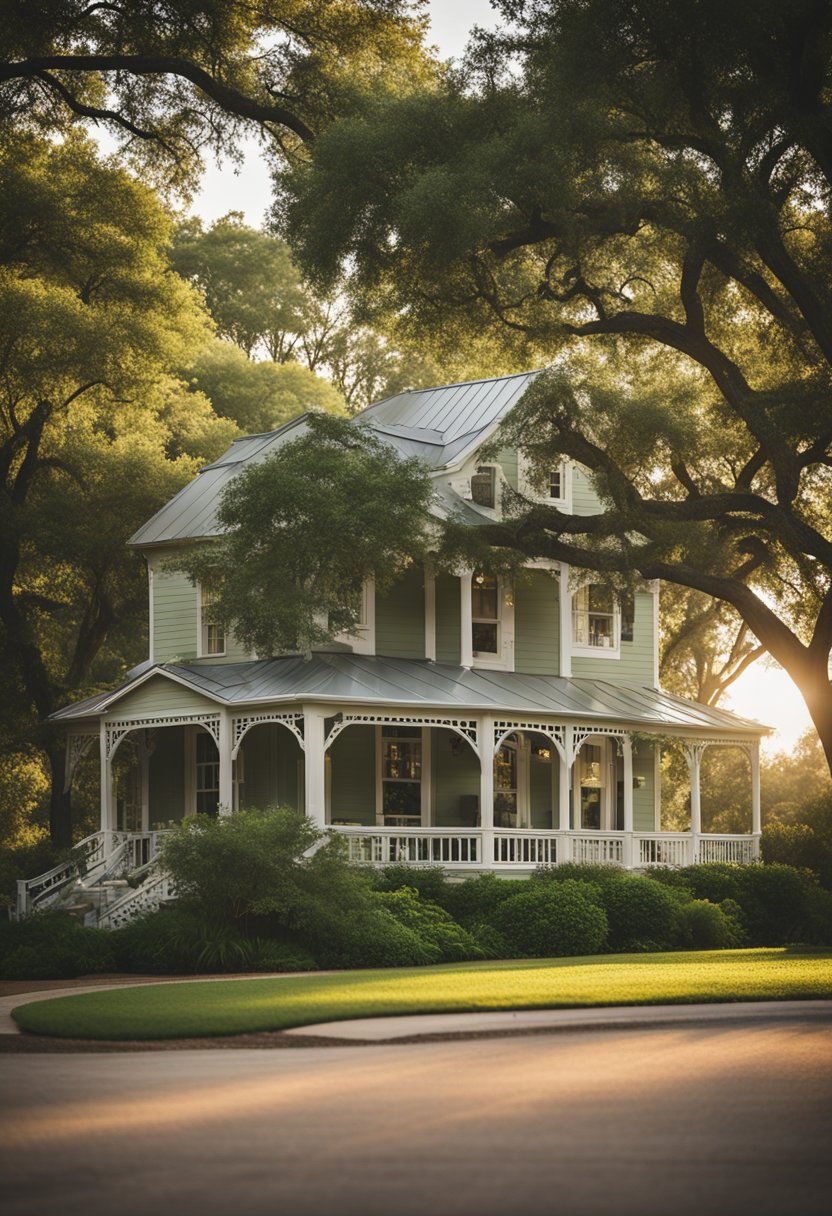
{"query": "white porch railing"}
pixel 412 846
pixel 149 897
pixel 742 849
pixel 599 848
pixel 521 848
pixel 529 848
pixel 662 849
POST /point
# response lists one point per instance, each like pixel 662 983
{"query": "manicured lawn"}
pixel 228 1007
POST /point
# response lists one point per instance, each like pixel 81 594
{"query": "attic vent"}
pixel 484 486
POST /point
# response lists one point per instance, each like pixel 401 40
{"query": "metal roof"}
pixel 440 426
pixel 339 678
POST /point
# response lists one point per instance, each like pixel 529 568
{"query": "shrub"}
pixel 432 924
pixel 701 925
pixel 552 920
pixel 641 914
pixel 53 946
pixel 430 882
pixel 374 938
pixel 806 846
pixel 580 871
pixel 473 903
pixel 776 903
pixel 180 940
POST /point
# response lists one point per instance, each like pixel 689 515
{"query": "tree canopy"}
pixel 95 431
pixel 176 78
pixel 636 194
pixel 304 529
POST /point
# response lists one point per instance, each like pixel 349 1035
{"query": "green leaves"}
pixel 305 529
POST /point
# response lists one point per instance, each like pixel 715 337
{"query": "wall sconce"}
pixel 639 783
pixel 456 744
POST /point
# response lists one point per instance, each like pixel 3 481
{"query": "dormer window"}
pixel 484 486
pixel 211 630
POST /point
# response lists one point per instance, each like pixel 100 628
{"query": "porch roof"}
pixel 417 684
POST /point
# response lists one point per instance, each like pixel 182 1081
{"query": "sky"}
pixel 764 692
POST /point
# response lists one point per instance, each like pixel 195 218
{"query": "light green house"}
pixel 467 722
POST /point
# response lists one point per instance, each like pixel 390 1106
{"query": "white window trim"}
pixel 201 652
pixel 595 652
pixel 503 660
pixel 425 779
pixel 462 486
pixel 607 783
pixel 363 637
pixel 526 487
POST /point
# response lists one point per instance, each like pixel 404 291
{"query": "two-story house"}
pixel 466 723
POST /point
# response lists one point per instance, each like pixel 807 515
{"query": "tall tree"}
pixel 257 299
pixel 175 78
pixel 637 193
pixel 94 431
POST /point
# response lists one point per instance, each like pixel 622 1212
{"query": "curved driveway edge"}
pixel 428 1026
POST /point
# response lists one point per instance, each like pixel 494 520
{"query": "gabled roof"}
pixel 441 426
pixel 339 679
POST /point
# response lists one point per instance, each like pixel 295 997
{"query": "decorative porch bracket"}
pixel 555 734
pixel 114 732
pixel 465 727
pixel 240 727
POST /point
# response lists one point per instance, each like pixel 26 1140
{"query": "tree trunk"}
pixel 60 800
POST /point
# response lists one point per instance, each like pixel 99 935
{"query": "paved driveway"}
pixel 692 1120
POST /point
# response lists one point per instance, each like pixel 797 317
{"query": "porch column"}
pixel 313 759
pixel 145 752
pixel 756 817
pixel 486 752
pixel 627 755
pixel 564 787
pixel 565 615
pixel 107 806
pixel 430 613
pixel 226 794
pixel 466 641
pixel 694 757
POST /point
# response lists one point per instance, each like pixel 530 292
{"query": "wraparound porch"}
pixel 471 793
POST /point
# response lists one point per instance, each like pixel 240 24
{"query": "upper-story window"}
pixel 484 486
pixel 550 485
pixel 596 619
pixel 211 630
pixel 485 615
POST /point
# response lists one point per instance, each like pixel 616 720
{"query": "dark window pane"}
pixel 484 601
pixel 402 798
pixel 555 490
pixel 484 637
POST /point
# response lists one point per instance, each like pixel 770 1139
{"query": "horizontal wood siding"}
pixel 160 695
pixel 584 499
pixel 400 617
pixel 174 617
pixel 456 775
pixel 507 459
pixel 635 666
pixel 166 777
pixel 447 619
pixel 644 804
pixel 353 760
pixel 536 618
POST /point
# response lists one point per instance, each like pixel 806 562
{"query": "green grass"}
pixel 228 1007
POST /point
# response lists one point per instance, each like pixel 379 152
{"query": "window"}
pixel 485 615
pixel 212 633
pixel 591 785
pixel 484 486
pixel 552 485
pixel 595 619
pixel 207 775
pixel 401 775
pixel 505 787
